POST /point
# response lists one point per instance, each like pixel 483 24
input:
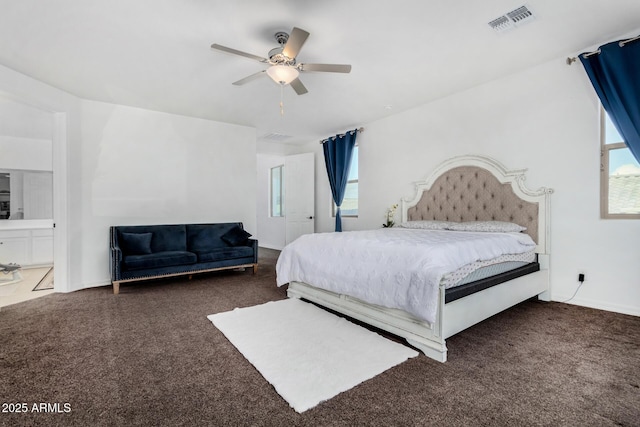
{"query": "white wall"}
pixel 24 121
pixel 213 174
pixel 270 230
pixel 146 167
pixel 25 153
pixel 544 119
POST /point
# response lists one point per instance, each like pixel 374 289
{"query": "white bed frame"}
pixel 460 314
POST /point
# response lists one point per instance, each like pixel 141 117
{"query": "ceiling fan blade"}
pixel 298 87
pixel 295 42
pixel 250 78
pixel 326 68
pixel 238 52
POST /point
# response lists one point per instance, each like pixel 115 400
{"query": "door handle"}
pixel 309 217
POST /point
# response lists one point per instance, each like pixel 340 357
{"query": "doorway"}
pixel 299 195
pixel 296 175
pixel 29 137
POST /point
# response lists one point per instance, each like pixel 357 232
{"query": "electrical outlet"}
pixel 581 277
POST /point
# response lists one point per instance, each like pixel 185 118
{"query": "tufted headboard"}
pixel 476 188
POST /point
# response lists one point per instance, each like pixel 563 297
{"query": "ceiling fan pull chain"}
pixel 281 100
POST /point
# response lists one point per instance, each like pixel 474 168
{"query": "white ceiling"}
pixel 155 54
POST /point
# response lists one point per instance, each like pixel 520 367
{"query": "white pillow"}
pixel 427 225
pixel 489 226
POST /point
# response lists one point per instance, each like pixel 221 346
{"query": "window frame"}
pixel 605 149
pixel 280 191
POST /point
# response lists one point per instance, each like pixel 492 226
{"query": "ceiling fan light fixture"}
pixel 283 67
pixel 282 74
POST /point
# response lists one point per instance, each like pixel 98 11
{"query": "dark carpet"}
pixel 150 357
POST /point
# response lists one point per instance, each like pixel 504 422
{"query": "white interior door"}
pixel 299 195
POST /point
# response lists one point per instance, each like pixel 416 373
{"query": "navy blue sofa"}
pixel 139 252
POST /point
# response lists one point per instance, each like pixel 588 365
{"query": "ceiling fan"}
pixel 283 68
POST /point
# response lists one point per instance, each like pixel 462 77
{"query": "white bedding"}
pixel 392 267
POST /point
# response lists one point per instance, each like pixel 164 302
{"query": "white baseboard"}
pixel 616 308
pixel 269 246
pixel 87 286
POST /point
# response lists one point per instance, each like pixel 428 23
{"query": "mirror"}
pixel 26 194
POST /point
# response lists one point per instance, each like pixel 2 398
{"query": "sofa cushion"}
pixel 169 238
pixel 204 239
pixel 136 243
pixel 236 236
pixel 159 259
pixel 225 254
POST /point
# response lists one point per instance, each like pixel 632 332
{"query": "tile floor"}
pixel 22 291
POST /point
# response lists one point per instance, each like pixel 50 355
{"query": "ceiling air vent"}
pixel 510 20
pixel 275 137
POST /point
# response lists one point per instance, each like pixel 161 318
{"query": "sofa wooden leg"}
pixel 116 288
pixel 255 268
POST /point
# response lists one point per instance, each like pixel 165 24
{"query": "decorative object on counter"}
pixel 14 269
pixel 391 214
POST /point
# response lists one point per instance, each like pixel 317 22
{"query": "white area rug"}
pixel 308 354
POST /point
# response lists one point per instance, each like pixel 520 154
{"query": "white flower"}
pixel 391 213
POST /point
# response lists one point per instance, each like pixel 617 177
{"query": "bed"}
pixel 461 191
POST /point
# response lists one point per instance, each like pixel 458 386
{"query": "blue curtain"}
pixel 615 75
pixel 337 159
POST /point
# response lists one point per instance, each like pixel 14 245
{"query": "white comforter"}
pixel 391 267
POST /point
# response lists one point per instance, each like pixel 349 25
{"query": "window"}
pixel 276 192
pixel 349 206
pixel 619 175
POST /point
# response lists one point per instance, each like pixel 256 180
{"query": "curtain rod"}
pixel 360 130
pixel 571 60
